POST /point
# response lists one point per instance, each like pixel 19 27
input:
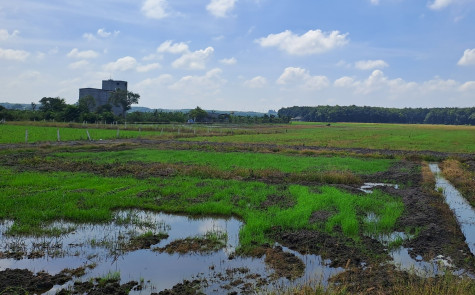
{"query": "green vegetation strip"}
pixel 232 160
pixel 17 133
pixel 34 200
pixel 458 139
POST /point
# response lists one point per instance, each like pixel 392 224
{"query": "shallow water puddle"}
pixel 105 248
pixel 368 187
pixel 459 205
pixel 422 268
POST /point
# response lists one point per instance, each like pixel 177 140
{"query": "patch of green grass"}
pixel 110 276
pixel 34 199
pixel 233 160
pixel 16 133
pixel 371 136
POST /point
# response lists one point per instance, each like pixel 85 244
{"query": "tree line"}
pixel 56 109
pixel 365 114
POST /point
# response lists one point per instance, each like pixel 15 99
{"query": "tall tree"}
pixel 124 99
pixel 198 114
pixel 87 104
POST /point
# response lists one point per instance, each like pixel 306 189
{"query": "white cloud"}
pixel 312 42
pixel 174 48
pixel 396 88
pixel 344 82
pixel 156 9
pixel 437 84
pixel 370 64
pixel 194 60
pixel 79 64
pixel 468 58
pixel 104 34
pixel 210 83
pixel 4 35
pixel 301 78
pixel 12 54
pixel 374 2
pixel 440 4
pixel 228 61
pixel 220 8
pixel 148 68
pixel 256 82
pixel 75 53
pixel 121 65
pixel 467 86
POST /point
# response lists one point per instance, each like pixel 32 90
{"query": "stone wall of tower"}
pixel 113 85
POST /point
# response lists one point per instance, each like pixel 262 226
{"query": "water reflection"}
pixel 102 246
pixel 459 205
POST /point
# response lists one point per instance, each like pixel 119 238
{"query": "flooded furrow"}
pixel 464 213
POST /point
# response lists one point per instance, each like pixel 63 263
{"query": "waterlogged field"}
pixel 33 199
pixel 260 211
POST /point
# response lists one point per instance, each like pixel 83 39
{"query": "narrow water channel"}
pixel 464 213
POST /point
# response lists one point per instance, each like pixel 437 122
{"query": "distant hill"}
pixel 16 106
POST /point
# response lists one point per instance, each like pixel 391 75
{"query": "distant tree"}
pixel 198 114
pixel 87 104
pixel 71 113
pixel 33 106
pixel 52 104
pixel 124 99
pixel 52 107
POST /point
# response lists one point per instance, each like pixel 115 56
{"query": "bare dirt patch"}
pixel 200 245
pixel 285 264
pixel 22 281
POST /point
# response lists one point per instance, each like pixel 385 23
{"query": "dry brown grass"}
pixel 460 177
pixel 428 179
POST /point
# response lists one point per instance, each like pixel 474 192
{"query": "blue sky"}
pixel 242 54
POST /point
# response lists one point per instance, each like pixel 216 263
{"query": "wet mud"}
pixel 192 245
pixel 185 288
pixel 100 287
pixel 341 251
pixel 22 281
pixel 285 264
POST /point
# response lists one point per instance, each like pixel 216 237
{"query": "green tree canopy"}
pixel 198 114
pixel 124 99
pixel 52 104
pixel 87 104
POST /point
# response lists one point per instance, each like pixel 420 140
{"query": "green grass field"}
pixel 232 160
pixel 372 136
pixel 459 139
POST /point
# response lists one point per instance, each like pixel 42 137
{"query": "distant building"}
pixel 101 96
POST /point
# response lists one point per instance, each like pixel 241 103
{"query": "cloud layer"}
pixel 312 42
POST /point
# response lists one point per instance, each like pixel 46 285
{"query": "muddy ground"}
pixel 22 281
pixel 426 214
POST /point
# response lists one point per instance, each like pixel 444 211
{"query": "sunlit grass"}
pixel 35 199
pixel 232 160
pixel 372 136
